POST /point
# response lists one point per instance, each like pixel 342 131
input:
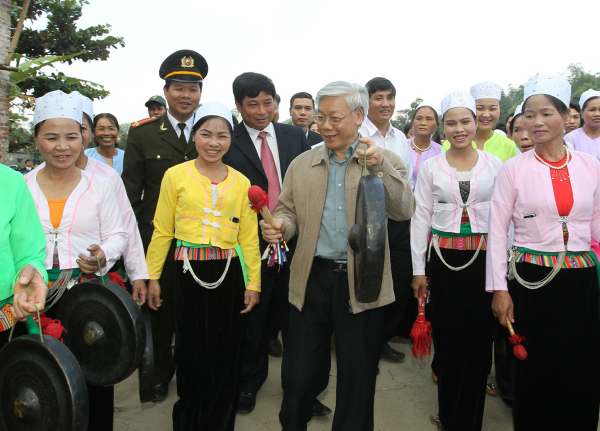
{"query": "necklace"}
pixel 417 148
pixel 556 171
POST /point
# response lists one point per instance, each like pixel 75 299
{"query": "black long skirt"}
pixel 461 323
pixel 557 386
pixel 208 346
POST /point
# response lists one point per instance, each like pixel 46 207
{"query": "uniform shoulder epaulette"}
pixel 144 121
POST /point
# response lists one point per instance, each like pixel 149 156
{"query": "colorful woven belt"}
pixel 204 253
pixel 582 260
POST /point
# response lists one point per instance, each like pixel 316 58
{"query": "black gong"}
pixel 41 387
pixel 367 239
pixel 105 330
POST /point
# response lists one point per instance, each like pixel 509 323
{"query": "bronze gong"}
pixel 41 387
pixel 105 330
pixel 367 238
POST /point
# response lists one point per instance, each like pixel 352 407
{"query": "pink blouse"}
pixel 524 194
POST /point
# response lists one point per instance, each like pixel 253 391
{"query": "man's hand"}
pixel 272 234
pixel 374 156
pixel 251 298
pixel 503 306
pixel 89 264
pixel 139 291
pixel 29 289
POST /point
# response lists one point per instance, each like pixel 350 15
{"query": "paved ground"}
pixel 405 399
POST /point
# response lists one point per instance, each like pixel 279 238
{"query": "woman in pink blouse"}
pixel 552 195
pixel 79 214
pixel 424 124
pixel 453 196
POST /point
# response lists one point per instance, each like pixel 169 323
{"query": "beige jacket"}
pixel 301 205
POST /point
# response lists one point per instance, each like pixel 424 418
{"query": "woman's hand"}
pixel 29 289
pixel 251 298
pixel 89 264
pixel 154 300
pixel 419 285
pixel 139 291
pixel 503 306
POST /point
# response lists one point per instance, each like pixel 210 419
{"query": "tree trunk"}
pixel 4 78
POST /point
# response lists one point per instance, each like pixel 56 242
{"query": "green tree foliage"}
pixel 403 116
pixel 19 138
pixel 61 37
pixel 511 98
pixel 123 133
pixel 30 72
pixel 581 81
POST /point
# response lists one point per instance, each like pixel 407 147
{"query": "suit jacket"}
pixel 314 138
pixel 152 147
pixel 302 202
pixel 242 155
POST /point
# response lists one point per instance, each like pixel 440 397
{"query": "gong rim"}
pixel 105 330
pixel 49 376
pixel 146 368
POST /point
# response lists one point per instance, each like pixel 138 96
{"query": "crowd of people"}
pixel 170 214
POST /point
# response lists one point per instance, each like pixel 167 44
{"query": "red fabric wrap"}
pixel 51 327
pixel 519 350
pixel 116 278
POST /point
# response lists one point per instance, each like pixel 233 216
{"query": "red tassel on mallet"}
pixel 421 332
pixel 516 339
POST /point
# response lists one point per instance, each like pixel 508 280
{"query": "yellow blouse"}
pixel 185 212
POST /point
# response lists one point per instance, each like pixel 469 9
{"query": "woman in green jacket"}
pixel 23 278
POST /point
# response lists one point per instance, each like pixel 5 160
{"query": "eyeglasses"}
pixel 320 120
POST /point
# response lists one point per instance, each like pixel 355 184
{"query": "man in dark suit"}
pixel 262 150
pixel 27 168
pixel 153 146
pixel 302 109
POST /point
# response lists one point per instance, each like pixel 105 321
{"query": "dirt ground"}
pixel 405 399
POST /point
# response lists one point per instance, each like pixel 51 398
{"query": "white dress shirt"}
pixel 188 126
pixel 394 140
pixel 271 140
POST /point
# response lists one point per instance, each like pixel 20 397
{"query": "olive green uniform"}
pixel 153 147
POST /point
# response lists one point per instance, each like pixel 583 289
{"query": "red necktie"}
pixel 266 158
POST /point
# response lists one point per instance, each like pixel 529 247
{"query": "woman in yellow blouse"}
pixel 203 204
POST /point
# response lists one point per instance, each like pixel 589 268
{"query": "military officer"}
pixel 153 146
pixel 157 106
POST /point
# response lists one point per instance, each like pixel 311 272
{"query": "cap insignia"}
pixel 187 62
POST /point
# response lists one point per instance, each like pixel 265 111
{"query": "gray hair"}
pixel 356 95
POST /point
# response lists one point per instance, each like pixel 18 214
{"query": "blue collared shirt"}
pixel 333 235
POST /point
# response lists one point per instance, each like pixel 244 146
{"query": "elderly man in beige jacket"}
pixel 317 203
